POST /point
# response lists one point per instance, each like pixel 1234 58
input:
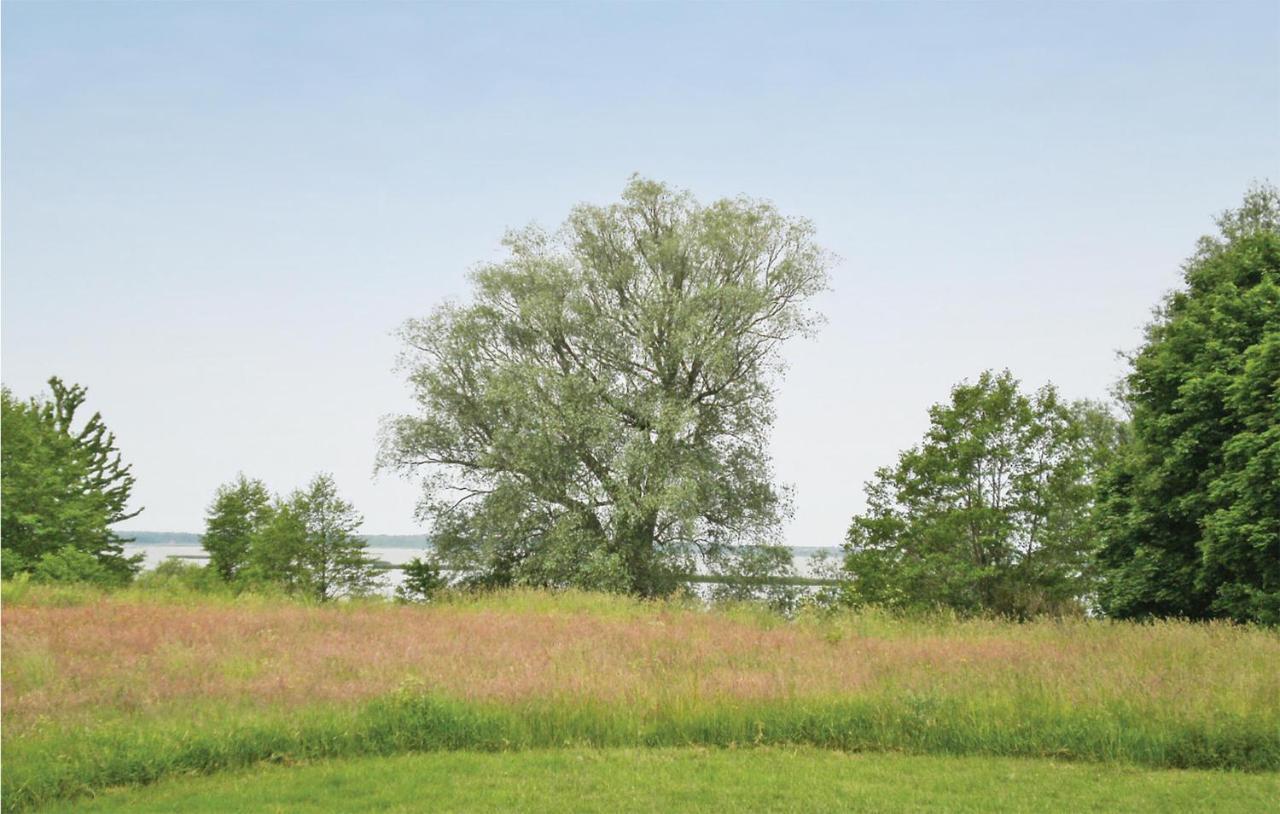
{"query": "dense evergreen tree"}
pixel 63 486
pixel 1191 514
pixel 990 513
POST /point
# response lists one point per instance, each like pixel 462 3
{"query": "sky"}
pixel 215 216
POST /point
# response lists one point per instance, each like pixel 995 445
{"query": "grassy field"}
pixel 131 688
pixel 696 779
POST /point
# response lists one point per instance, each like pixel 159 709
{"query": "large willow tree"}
pixel 598 415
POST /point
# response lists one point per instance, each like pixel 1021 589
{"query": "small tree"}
pixel 422 580
pixel 991 512
pixel 61 486
pixel 240 510
pixel 308 544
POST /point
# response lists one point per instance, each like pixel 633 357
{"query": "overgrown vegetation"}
pixel 101 689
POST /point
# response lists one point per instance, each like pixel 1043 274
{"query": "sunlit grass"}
pixel 698 779
pixel 108 689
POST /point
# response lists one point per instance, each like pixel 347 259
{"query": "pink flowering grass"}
pixel 116 656
pixel 120 689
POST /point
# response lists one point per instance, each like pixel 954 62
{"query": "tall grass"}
pixel 73 763
pixel 121 689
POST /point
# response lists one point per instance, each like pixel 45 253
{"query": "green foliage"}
pixel 307 544
pixel 239 511
pixel 422 580
pixel 181 576
pixel 303 544
pixel 1191 509
pixel 13 564
pixel 69 564
pixel 597 416
pixel 991 512
pixel 278 547
pixel 61 486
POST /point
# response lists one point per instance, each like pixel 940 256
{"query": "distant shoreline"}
pixel 188 538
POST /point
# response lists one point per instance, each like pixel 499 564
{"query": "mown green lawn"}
pixel 696 779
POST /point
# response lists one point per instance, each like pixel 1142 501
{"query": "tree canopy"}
pixel 1190 524
pixel 239 511
pixel 991 512
pixel 305 543
pixel 597 415
pixel 63 486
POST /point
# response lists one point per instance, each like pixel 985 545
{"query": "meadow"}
pixel 126 689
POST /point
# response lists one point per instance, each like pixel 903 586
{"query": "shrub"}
pixel 422 581
pixel 181 575
pixel 70 564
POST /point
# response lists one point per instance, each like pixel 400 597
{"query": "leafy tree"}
pixel 240 509
pixel 422 580
pixel 1191 508
pixel 308 544
pixel 62 486
pixel 991 512
pixel 598 414
pixel 278 548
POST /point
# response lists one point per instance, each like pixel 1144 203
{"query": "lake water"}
pixel 154 554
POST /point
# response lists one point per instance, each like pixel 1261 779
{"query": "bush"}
pixel 12 564
pixel 71 565
pixel 422 581
pixel 181 575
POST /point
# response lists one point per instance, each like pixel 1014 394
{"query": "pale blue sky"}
pixel 215 215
